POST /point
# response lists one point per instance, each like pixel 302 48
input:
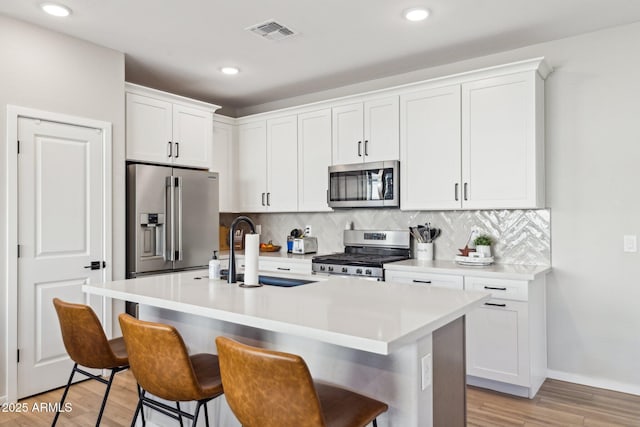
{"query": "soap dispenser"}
pixel 214 266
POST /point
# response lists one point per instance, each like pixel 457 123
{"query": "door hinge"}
pixel 18 146
pixel 18 357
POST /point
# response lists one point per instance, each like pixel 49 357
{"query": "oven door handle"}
pixel 380 186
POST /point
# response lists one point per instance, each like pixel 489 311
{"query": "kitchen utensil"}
pixel 416 234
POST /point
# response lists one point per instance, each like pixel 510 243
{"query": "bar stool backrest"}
pixel 266 388
pixel 159 359
pixel 83 336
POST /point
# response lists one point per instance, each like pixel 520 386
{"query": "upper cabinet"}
pixel 223 161
pixel 503 142
pixel 168 129
pixel 314 159
pixel 267 162
pixel 366 131
pixel 475 145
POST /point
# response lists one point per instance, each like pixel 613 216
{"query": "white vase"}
pixel 484 250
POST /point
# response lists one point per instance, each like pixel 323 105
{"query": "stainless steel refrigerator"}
pixel 172 219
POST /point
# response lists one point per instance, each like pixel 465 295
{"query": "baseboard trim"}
pixel 594 382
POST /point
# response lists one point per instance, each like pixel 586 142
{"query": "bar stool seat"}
pixel 163 367
pixel 266 388
pixel 87 346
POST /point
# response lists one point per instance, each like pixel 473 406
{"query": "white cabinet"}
pixel 427 279
pixel 223 163
pixel 314 159
pixel 502 142
pixel 366 131
pixel 475 145
pixel 430 149
pixel 282 164
pixel 168 129
pixel 267 166
pixel 506 337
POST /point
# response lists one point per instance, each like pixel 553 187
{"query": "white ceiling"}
pixel 179 46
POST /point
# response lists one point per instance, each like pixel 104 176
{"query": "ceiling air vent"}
pixel 271 30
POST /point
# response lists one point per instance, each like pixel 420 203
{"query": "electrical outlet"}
pixel 630 243
pixel 307 230
pixel 426 371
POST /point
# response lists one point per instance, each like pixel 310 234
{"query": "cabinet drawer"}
pixel 285 267
pixel 429 279
pixel 500 288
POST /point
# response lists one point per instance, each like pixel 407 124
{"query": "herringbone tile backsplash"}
pixel 520 236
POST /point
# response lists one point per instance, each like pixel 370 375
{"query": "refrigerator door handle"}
pixel 178 223
pixel 171 236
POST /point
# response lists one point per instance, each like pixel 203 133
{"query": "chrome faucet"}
pixel 232 254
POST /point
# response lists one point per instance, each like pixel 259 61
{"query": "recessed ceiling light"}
pixel 416 14
pixel 230 70
pixel 56 9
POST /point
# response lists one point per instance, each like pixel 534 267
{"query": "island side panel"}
pixel 449 375
pixel 394 379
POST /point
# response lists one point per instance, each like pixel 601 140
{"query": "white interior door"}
pixel 60 231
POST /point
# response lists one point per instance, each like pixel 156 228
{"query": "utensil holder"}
pixel 424 251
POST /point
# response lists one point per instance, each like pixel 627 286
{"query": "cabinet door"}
pixel 381 130
pixel 192 137
pixel 282 164
pixel 499 142
pixel 430 149
pixel 251 173
pixel 426 279
pixel 347 138
pixel 314 159
pixel 497 342
pixel 222 162
pixel 149 133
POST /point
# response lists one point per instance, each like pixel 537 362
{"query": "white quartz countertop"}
pixel 360 314
pixel 498 271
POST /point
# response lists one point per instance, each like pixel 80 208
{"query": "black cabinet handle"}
pixel 495 289
pixel 455 191
pixel 495 304
pixel 177 150
pixel 168 148
pixel 366 147
pixel 268 199
pixel 466 195
pixel 359 148
pixel 284 269
pixel 422 281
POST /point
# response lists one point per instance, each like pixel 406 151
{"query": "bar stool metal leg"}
pixel 64 395
pixel 206 414
pixel 179 415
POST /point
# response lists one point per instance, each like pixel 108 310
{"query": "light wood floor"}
pixel 556 404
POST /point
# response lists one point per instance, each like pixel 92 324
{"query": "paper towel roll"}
pixel 251 251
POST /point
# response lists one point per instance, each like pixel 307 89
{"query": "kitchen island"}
pixel 402 344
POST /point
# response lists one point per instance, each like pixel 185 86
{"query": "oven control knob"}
pixel 368 272
pixel 330 268
pixel 322 268
pixel 359 271
pixel 344 269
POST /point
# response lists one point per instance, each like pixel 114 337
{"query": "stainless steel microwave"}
pixel 364 185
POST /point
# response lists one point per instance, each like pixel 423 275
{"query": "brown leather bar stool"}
pixel 266 388
pixel 88 346
pixel 162 366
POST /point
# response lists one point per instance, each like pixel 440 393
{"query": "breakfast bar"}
pixel 399 343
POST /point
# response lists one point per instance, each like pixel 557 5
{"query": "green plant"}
pixel 483 240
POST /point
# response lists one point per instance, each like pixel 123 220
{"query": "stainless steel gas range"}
pixel 365 253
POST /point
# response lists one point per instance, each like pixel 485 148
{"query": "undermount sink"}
pixel 285 282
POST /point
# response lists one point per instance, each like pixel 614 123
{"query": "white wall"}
pixel 52 72
pixel 593 176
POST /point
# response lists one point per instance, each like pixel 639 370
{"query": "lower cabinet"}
pixel 506 337
pixel 427 279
